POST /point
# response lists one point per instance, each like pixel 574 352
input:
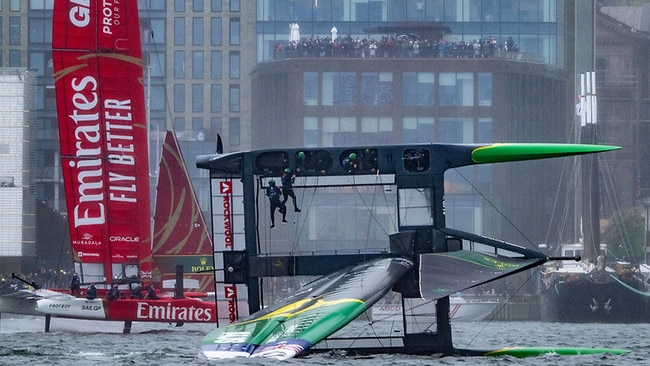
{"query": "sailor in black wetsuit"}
pixel 136 292
pixel 287 188
pixel 91 292
pixel 273 193
pixel 75 284
pixel 113 293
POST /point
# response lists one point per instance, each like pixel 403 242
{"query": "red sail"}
pixel 100 101
pixel 180 233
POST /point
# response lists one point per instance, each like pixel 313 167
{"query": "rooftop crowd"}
pixel 404 46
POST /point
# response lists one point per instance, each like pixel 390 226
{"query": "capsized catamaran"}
pixel 357 271
pixel 104 151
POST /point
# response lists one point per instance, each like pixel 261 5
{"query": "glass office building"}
pixel 439 72
pixel 537 26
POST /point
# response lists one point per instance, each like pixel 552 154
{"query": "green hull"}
pixel 497 153
pixel 291 327
pixel 538 351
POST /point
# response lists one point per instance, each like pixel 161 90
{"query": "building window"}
pixel 197 98
pixel 234 65
pixel 418 130
pixel 456 89
pixel 37 62
pixel 234 131
pixel 216 98
pixel 484 89
pixel 179 31
pixel 216 5
pixel 14 30
pixel 197 64
pixel 179 124
pixel 39 5
pixel 310 88
pixel 197 126
pixel 339 131
pixel 157 64
pixel 179 5
pixel 456 130
pixel 484 134
pixel 418 87
pixel 234 31
pixel 158 27
pixel 158 98
pixel 215 31
pixel 234 101
pixel 14 58
pixel 377 88
pixel 14 5
pixel 339 88
pixel 197 31
pixel 179 64
pixel 215 65
pixel 235 6
pixel 310 132
pixel 216 124
pixel 179 98
pixel 40 30
pixel 376 130
pixel 197 6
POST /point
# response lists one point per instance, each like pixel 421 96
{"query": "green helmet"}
pixel 353 156
pixel 287 170
pixel 271 182
pixel 301 155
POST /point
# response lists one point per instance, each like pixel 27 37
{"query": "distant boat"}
pixel 180 237
pixel 585 292
pixel 105 153
pixel 177 206
pixel 592 289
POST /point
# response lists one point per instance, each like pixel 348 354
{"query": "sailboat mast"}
pixel 590 171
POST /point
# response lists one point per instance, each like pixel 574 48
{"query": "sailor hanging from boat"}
pixel 273 192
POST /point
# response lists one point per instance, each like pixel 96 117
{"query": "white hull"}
pixel 73 307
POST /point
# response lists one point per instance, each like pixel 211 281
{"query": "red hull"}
pixel 186 310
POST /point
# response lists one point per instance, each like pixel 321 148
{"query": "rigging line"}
pixel 307 209
pixel 62 245
pixel 372 215
pixel 370 211
pixel 501 306
pixel 494 207
pixel 562 220
pixel 614 201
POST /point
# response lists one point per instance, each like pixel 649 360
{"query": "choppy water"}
pixel 23 342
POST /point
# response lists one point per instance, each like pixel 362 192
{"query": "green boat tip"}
pixel 497 153
pixel 522 352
